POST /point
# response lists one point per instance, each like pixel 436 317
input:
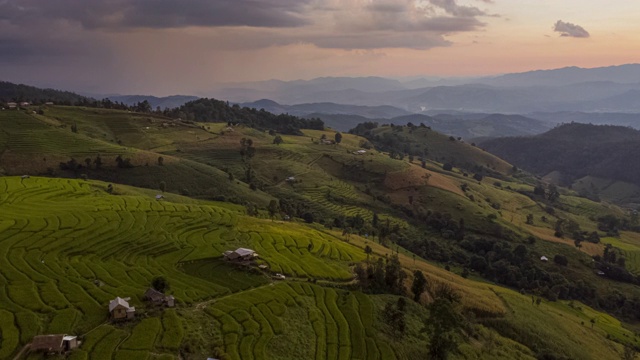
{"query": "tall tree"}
pixel 338 138
pixel 419 285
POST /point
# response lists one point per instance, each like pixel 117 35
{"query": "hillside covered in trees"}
pixel 19 92
pixel 575 150
pixel 212 110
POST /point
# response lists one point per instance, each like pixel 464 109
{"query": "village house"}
pixel 360 152
pixel 24 103
pixel 119 309
pixel 58 343
pixel 157 298
pixel 12 105
pixel 48 103
pixel 240 254
pixel 544 258
pixel 327 142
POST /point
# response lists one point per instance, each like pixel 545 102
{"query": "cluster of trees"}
pixel 212 110
pixel 382 277
pixel 10 92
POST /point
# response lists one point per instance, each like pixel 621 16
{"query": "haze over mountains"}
pixel 529 103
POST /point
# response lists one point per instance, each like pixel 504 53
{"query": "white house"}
pixel 239 254
pixel 544 258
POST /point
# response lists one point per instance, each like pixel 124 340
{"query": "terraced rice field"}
pixel 21 133
pixel 338 324
pixel 68 248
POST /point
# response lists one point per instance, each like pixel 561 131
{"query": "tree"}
pixel 160 283
pixel 447 167
pixel 74 128
pixel 163 186
pixel 160 160
pixel 443 324
pixel 530 219
pixel 278 140
pixel 561 260
pixel 98 162
pixel 338 138
pixel 273 208
pixel 368 250
pixel 419 285
pixel 308 217
pixel 88 162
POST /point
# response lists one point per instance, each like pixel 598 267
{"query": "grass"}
pixel 69 248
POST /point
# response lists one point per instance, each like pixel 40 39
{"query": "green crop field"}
pixel 69 248
pixel 339 324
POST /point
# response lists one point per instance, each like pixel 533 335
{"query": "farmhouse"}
pixel 48 103
pixel 544 258
pixel 327 142
pixel 360 152
pixel 157 298
pixel 240 254
pixel 24 103
pixel 159 197
pixel 290 179
pixel 53 343
pixel 12 105
pixel 119 309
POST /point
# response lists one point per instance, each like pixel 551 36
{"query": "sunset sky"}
pixel 164 47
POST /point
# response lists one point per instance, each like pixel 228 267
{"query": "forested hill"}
pixel 212 110
pixel 19 92
pixel 575 150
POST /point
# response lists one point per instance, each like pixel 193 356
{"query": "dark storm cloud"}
pixel 570 30
pixel 119 14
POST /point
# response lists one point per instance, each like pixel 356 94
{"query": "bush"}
pixel 447 167
pixel 561 260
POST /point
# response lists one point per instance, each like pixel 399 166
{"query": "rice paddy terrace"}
pixel 68 248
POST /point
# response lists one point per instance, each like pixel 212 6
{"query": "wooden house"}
pixel 119 309
pixel 157 298
pixel 57 343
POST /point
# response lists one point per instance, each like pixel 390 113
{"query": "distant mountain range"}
pixel 610 89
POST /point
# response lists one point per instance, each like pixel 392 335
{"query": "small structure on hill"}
pixel 24 103
pixel 159 197
pixel 58 343
pixel 25 177
pixel 327 142
pixel 119 309
pixel 49 103
pixel 290 179
pixel 360 152
pixel 12 105
pixel 279 276
pixel 157 298
pixel 240 254
pixel 544 258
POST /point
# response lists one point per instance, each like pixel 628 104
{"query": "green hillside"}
pixel 85 233
pixel 579 151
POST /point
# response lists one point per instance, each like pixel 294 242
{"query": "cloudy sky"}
pixel 164 47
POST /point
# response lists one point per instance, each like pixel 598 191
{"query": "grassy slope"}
pixel 329 183
pixel 78 234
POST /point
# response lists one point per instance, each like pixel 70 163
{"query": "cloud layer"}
pixel 570 30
